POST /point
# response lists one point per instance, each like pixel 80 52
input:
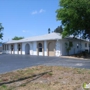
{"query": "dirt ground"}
pixel 45 78
pixel 81 55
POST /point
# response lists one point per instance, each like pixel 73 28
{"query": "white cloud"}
pixel 38 12
pixel 24 31
pixel 41 10
pixel 34 12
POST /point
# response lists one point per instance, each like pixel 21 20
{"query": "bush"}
pixel 85 53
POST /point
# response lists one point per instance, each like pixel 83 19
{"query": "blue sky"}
pixel 28 17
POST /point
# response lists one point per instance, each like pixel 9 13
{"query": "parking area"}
pixel 13 62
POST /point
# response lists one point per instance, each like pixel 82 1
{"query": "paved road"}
pixel 14 62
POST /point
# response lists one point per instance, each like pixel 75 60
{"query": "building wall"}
pixel 39 53
pixel 51 47
pixel 31 48
pixel 60 49
pixel 85 47
pixel 34 48
pixel 64 47
pixel 0 49
pixel 9 48
pixel 15 49
pixel 23 47
pixel 78 46
pixel 45 48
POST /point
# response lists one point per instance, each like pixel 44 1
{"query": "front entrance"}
pixel 19 49
pixel 51 48
pixel 40 49
pixel 27 49
pixel 12 49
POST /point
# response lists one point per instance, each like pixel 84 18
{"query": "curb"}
pixel 74 58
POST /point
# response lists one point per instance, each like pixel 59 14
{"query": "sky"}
pixel 26 18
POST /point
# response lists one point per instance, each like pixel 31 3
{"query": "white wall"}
pixel 3 48
pixel 40 53
pixel 31 48
pixel 23 48
pixel 45 48
pixel 34 48
pixel 83 46
pixel 63 47
pixel 9 49
pixel 15 48
pixel 73 50
pixel 6 50
pixel 58 49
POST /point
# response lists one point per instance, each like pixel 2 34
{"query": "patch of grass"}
pixel 50 73
pixel 3 87
pixel 1 80
pixel 60 78
pixel 54 78
pixel 88 72
pixel 80 71
pixel 23 85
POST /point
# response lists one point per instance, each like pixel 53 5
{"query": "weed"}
pixel 3 87
pixel 23 85
pixel 1 80
pixel 80 71
pixel 60 77
pixel 88 72
pixel 50 73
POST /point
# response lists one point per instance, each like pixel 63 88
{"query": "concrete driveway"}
pixel 13 62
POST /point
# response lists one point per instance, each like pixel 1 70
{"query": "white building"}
pixel 45 45
pixel 0 47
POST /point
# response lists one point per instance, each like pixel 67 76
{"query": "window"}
pixel 19 47
pixel 40 47
pixel 7 47
pixel 85 44
pixel 11 47
pixel 3 47
pixel 0 45
pixel 77 45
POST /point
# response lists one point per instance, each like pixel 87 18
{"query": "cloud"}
pixel 41 10
pixel 34 12
pixel 38 12
pixel 24 31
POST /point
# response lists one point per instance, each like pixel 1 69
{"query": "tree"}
pixel 1 28
pixel 17 38
pixel 48 30
pixel 58 29
pixel 75 17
